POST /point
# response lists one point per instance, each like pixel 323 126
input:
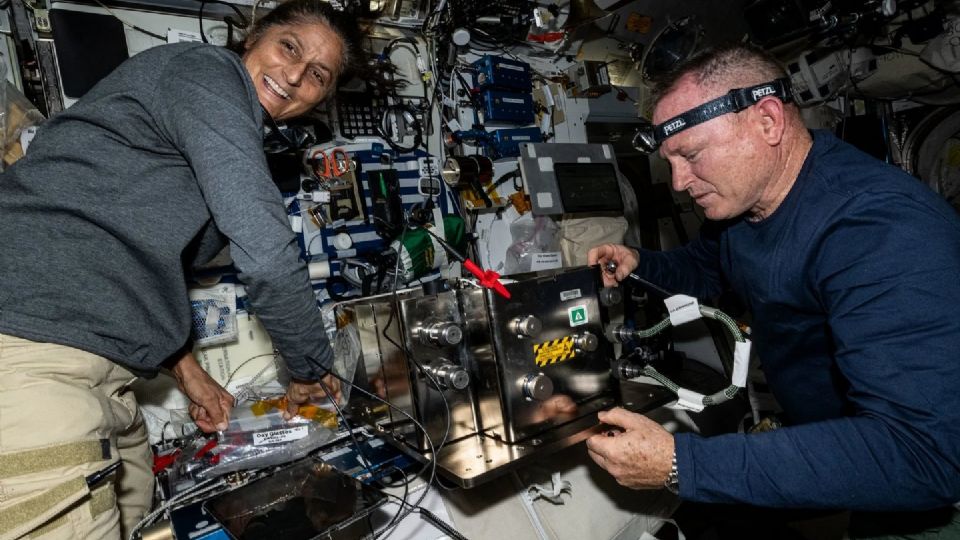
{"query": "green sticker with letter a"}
pixel 578 315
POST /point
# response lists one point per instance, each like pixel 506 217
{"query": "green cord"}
pixel 711 313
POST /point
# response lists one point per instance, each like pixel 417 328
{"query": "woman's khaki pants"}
pixel 65 415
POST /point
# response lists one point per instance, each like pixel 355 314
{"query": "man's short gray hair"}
pixel 723 67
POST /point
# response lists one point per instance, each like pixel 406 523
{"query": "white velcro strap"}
pixel 689 400
pixel 551 493
pixel 741 363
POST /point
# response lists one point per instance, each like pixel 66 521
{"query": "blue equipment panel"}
pixel 507 107
pixel 503 73
pixel 372 461
pixel 506 142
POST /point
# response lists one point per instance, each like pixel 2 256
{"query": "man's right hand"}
pixel 637 452
pixel 625 258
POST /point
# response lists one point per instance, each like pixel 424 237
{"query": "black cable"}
pixel 420 132
pixel 143 31
pixel 399 41
pixel 468 89
pixel 440 524
pixel 415 123
pixel 432 462
pixel 406 493
pixel 231 22
pixel 367 462
pixel 426 374
pixel 385 54
pixel 397 517
pixel 428 115
pixel 6 3
pixel 503 179
pixel 404 480
pixel 245 362
pixel 649 286
pixel 433 519
pixel 401 411
pixel 410 356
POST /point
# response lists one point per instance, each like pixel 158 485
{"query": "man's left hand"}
pixel 637 451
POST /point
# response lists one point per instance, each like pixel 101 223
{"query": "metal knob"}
pixel 441 334
pixel 450 375
pixel 618 333
pixel 610 296
pixel 628 370
pixel 526 326
pixel 586 342
pixel 537 386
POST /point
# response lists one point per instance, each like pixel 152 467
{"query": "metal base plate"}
pixel 474 460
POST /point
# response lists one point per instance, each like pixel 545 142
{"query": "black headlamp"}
pixel 648 137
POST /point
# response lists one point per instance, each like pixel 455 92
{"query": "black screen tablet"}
pixel 307 500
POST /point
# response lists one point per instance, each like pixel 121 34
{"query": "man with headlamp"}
pixel 850 269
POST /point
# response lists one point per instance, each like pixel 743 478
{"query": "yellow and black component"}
pixel 554 351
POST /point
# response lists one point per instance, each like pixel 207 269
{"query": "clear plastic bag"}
pixel 258 436
pixel 536 245
pixel 346 356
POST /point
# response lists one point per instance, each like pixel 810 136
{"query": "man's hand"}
pixel 210 403
pixel 625 258
pixel 640 456
pixel 300 392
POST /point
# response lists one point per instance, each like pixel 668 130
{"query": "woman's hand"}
pixel 300 392
pixel 210 403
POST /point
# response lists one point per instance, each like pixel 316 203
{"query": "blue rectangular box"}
pixel 506 142
pixel 507 107
pixel 502 73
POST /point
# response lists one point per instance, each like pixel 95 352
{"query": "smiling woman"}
pixel 294 67
pixel 296 54
pixel 175 131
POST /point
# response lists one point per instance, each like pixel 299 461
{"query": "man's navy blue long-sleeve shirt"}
pixel 854 287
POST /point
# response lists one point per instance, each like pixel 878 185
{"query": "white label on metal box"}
pixel 570 295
